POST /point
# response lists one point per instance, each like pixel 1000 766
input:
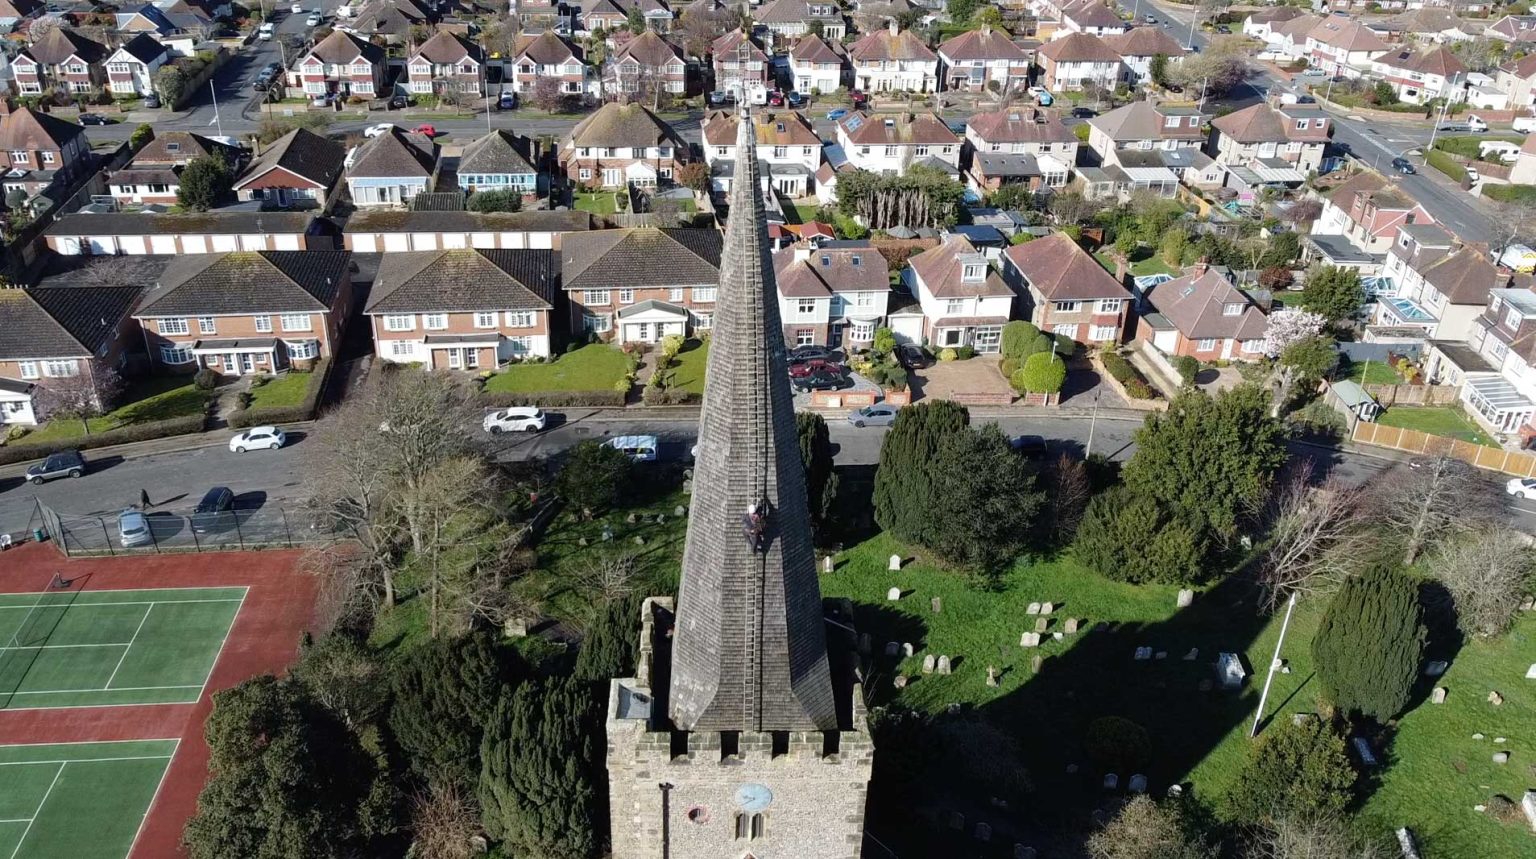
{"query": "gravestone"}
pixel 1161 654
pixel 639 540
pixel 1192 655
pixel 1478 735
pixel 937 605
pixel 607 533
pixel 1138 783
pixel 1029 639
pixel 1205 684
pixel 515 627
pixel 661 518
pixel 1071 768
pixel 1299 719
pixel 1528 805
pixel 1530 673
pixel 894 594
pixel 632 518
pixel 1363 750
pixel 1500 740
pixel 679 511
pixel 1111 781
pixel 1143 654
pixel 991 676
pixel 892 648
pixel 582 541
pixel 1047 608
pixel 1070 627
pixel 1435 668
pixel 1034 608
pixel 942 666
pixel 1528 603
pixel 1034 664
pixel 1501 757
pixel 1058 636
pixel 1495 699
pixel 1438 696
pixel 983 832
pixel 928 664
pixel 1186 596
pixel 1042 624
pixel 1230 669
pixel 894 564
pixel 827 564
pixel 906 649
pixel 900 681
pixel 1175 791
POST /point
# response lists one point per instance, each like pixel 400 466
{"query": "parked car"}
pixel 1084 113
pixel 877 415
pixel 956 127
pixel 776 98
pixel 722 97
pixel 1473 176
pixel 265 31
pixel 801 369
pixel 1150 19
pixel 1521 487
pixel 1028 445
pixel 912 356
pixel 837 113
pixel 254 438
pixel 133 529
pixel 65 463
pixel 313 20
pixel 858 98
pixel 1403 165
pixel 797 99
pixel 94 119
pixel 801 354
pixel 210 512
pixel 515 419
pixel 507 101
pixel 1042 97
pixel 427 129
pixel 1313 73
pixel 322 100
pixel 639 448
pixel 376 130
pixel 296 9
pixel 152 101
pixel 821 380
pixel 1223 29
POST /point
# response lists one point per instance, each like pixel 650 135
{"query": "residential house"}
pixel 153 176
pixel 793 18
pixel 131 68
pixel 1418 76
pixel 1139 46
pixel 1078 61
pixel 640 284
pixel 1366 211
pixel 982 59
pixel 60 60
pixel 1262 23
pixel 1344 46
pixel 622 144
pixel 646 64
pixel 1287 40
pixel 964 302
pixel 1090 17
pixel 165 234
pixel 818 66
pixel 464 309
pixel 1288 140
pixel 1518 79
pixel 893 60
pixel 58 332
pixel 1065 291
pixel 1425 24
pixel 1203 315
pixel 1515 29
pixel 501 161
pixel 447 62
pixel 545 55
pixel 1441 284
pixel 247 312
pixel 340 65
pixel 1498 377
pixel 892 142
pixel 16 10
pixel 299 169
pixel 831 293
pixel 1149 147
pixel 390 231
pixel 741 67
pixel 41 149
pixel 390 21
pixel 611 15
pixel 1020 144
pixel 788 150
pixel 392 168
pixel 1524 170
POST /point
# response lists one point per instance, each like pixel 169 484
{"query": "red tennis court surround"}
pixel 278 608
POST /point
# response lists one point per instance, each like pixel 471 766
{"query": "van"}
pixel 1476 123
pixel 1525 124
pixel 1501 149
pixel 1519 258
pixel 639 448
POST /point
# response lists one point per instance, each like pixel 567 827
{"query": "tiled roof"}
pixel 1092 13
pixel 143 48
pixel 1261 123
pixel 1436 61
pixel 727 48
pixel 445 48
pixel 1060 269
pixel 1079 48
pixel 649 49
pixel 395 153
pixel 58 45
pixel 883 45
pixel 1021 124
pixel 617 125
pixel 343 48
pixel 389 17
pixel 464 280
pixel 792 12
pixel 825 270
pixel 1464 276
pixel 497 152
pixel 815 49
pixel 303 153
pixel 1145 42
pixel 786 128
pixel 1425 20
pixel 61 322
pixel 1141 120
pixel 1347 34
pixel 941 270
pixel 1195 305
pixel 1524 67
pixel 178 147
pixel 545 49
pixel 246 282
pixel 1275 14
pixel 983 44
pixel 26 129
pixel 896 128
pixel 640 256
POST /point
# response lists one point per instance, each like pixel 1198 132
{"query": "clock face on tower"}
pixel 753 797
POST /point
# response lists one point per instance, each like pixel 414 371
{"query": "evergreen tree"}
pixel 288 780
pixel 1283 249
pixel 539 768
pixel 820 479
pixel 595 476
pixel 1368 647
pixel 1128 536
pixel 495 201
pixel 1335 293
pixel 1295 770
pixel 444 691
pixel 205 182
pixel 985 499
pixel 608 651
pixel 905 480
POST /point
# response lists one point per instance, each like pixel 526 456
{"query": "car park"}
pixel 821 380
pixel 1403 165
pixel 211 511
pixel 837 113
pixel 1521 487
pixel 65 463
pixel 877 415
pixel 256 438
pixel 515 419
pixel 376 130
pixel 912 356
pixel 133 529
pixel 639 448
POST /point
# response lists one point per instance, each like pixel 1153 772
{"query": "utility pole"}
pixel 1445 103
pixel 216 120
pixel 1290 606
pixel 1092 422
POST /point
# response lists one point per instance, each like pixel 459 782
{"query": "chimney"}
pixel 7 106
pixel 1202 266
pixel 894 27
pixel 803 251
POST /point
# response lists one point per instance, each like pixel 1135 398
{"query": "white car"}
pixel 1473 176
pixel 1521 487
pixel 376 130
pixel 296 9
pixel 515 419
pixel 265 31
pixel 314 19
pixel 255 438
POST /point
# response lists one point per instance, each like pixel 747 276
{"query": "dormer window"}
pixel 973 272
pixel 1171 122
pixel 1231 310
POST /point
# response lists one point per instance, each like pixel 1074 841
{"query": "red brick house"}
pixel 61 59
pixel 747 77
pixel 340 65
pixel 153 176
pixel 300 169
pixel 980 59
pixel 1204 316
pixel 464 309
pixel 447 61
pixel 621 144
pixel 40 149
pixel 831 293
pixel 642 283
pixel 546 55
pixel 58 332
pixel 644 65
pixel 1063 290
pixel 247 311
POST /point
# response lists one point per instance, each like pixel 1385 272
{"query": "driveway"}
pixel 977 377
pixel 803 401
pixel 1085 388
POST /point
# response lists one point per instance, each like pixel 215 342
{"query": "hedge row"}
pixel 242 418
pixel 1442 161
pixel 1510 193
pixel 1127 375
pixel 552 399
pixel 122 435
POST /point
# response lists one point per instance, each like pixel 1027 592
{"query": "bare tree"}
pixel 1439 498
pixel 1488 572
pixel 1146 830
pixel 1070 491
pixel 609 576
pixel 444 822
pixel 463 537
pixel 1321 837
pixel 699 28
pixel 547 95
pixel 1317 536
pixel 89 393
pixel 124 270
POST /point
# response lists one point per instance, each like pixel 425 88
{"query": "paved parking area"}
pixel 945 379
pixel 803 401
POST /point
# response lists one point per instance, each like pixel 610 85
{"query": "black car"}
pixel 1084 113
pixel 1403 165
pixel 1029 445
pixel 399 102
pixel 821 380
pixel 803 354
pixel 211 511
pixel 65 463
pixel 94 119
pixel 1224 29
pixel 912 356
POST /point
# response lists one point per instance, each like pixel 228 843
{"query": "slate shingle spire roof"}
pixel 750 649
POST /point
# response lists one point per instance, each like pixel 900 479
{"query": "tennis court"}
pixel 72 648
pixel 78 799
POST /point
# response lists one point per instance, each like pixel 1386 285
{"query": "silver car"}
pixel 133 529
pixel 877 415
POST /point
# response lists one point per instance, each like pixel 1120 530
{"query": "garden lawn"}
pixel 281 392
pixel 1373 373
pixel 155 398
pixel 688 371
pixel 1445 164
pixel 596 202
pixel 1449 421
pixel 1143 262
pixel 595 367
pixel 801 213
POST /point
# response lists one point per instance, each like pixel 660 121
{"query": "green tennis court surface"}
pixel 76 800
pixel 63 648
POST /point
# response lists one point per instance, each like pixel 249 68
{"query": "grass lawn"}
pixel 284 391
pixel 1445 164
pixel 1372 373
pixel 800 213
pixel 156 398
pixel 1143 262
pixel 591 368
pixel 1448 421
pixel 688 372
pixel 596 202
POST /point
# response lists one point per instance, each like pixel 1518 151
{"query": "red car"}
pixel 427 130
pixel 858 98
pixel 776 98
pixel 806 368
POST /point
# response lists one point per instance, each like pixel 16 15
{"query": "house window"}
pixel 675 294
pixel 626 296
pixel 594 297
pixel 1066 329
pixel 205 324
pixel 401 348
pixel 1066 306
pixel 1512 319
pixel 1100 333
pixel 973 272
pixel 703 321
pixel 920 151
pixel 172 326
pixel 1107 305
pixel 704 293
pixel 434 321
pixel 1171 122
pixel 520 345
pixel 1205 345
pixel 296 322
pixel 399 322
pixel 28 369
pixel 1301 125
pixel 890 151
pixel 176 354
pixel 46 156
pixel 596 323
pixel 954 306
pixel 805 336
pixel 1252 345
pixel 520 319
pixel 1231 310
pixel 303 349
pixel 780 151
pixel 485 320
pixel 585 173
pixel 805 306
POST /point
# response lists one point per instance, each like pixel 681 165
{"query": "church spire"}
pixel 749 650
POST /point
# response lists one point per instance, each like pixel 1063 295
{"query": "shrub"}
pixel 495 201
pixel 1443 162
pixel 1510 193
pixel 885 341
pixel 122 435
pixel 1137 389
pixel 1042 373
pixel 553 399
pixel 947 354
pixel 895 379
pixel 1066 347
pixel 1128 536
pixel 1117 745
pixel 1368 648
pixel 1295 770
pixel 1316 418
pixel 1018 336
pixel 206 379
pixel 595 476
pixel 1188 368
pixel 1127 375
pixel 1009 366
pixel 965 353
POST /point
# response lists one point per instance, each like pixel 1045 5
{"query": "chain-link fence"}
pixel 134 531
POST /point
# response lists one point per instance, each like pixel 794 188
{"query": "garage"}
pixel 253 243
pixel 907 327
pixel 102 245
pixel 423 241
pixel 162 245
pixel 288 243
pixel 454 240
pixel 134 245
pixel 397 242
pixel 225 243
pixel 194 244
pixel 364 243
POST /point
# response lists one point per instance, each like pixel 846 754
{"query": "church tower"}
pixel 743 732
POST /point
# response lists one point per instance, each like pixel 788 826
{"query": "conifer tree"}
pixel 1368 648
pixel 608 651
pixel 905 479
pixel 444 691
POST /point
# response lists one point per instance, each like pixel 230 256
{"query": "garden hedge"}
pixel 122 435
pixel 551 399
pixel 242 418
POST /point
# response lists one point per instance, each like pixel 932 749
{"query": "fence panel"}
pixel 268 526
pixel 1517 463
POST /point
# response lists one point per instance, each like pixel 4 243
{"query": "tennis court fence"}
pixel 266 527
